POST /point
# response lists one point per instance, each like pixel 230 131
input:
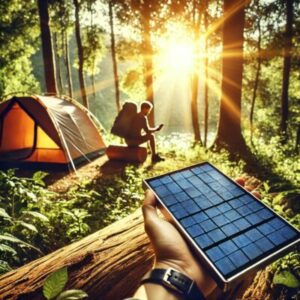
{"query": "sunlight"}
pixel 175 50
pixel 178 56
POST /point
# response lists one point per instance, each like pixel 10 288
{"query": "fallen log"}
pixel 107 264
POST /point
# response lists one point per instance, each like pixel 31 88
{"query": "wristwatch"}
pixel 175 281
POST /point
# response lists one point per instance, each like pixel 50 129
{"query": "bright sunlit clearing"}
pixel 179 56
pixel 176 52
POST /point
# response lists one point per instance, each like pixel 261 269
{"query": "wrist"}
pixel 194 273
pixel 182 286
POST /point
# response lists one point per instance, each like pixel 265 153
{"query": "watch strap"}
pixel 176 281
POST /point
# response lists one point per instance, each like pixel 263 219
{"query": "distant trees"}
pixel 47 49
pixel 229 133
pixel 146 8
pixel 287 53
pixel 114 54
pixel 83 93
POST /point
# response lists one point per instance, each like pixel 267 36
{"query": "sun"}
pixel 176 51
pixel 179 56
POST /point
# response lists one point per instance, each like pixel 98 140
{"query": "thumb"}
pixel 149 211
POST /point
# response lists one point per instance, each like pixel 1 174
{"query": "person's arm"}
pixel 171 251
pixel 149 129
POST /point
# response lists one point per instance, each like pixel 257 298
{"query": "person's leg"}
pixel 152 144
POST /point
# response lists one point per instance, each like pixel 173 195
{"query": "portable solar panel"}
pixel 230 230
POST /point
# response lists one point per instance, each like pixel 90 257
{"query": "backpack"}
pixel 124 119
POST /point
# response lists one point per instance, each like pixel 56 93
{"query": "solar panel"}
pixel 229 228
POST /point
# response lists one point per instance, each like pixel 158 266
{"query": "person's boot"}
pixel 157 158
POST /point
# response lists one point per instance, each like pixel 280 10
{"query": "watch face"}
pixel 231 229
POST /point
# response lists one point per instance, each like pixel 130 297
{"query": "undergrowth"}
pixel 35 221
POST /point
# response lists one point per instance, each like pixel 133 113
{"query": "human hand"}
pixel 171 249
pixel 160 127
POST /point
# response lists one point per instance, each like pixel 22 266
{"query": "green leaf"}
pixel 14 240
pixel 28 226
pixel 38 177
pixel 4 214
pixel 72 295
pixel 4 267
pixel 286 278
pixel 5 248
pixel 55 283
pixel 36 214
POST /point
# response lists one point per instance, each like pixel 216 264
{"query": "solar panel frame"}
pixel 185 177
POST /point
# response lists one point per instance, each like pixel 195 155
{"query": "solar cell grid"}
pixel 232 228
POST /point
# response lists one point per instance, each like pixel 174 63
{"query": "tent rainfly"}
pixel 46 132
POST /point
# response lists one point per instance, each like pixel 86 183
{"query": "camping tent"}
pixel 46 132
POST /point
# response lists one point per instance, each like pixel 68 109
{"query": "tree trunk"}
pixel 148 55
pixel 206 76
pixel 108 265
pixel 195 76
pixel 257 75
pixel 58 69
pixel 80 55
pixel 68 67
pixel 49 65
pixel 229 133
pixel 113 55
pixel 286 68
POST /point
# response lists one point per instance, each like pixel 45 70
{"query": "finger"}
pixel 150 198
pixel 240 181
pixel 149 211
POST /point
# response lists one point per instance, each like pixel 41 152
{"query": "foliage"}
pixel 55 284
pixel 18 41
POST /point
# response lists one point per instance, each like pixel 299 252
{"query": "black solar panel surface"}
pixel 232 228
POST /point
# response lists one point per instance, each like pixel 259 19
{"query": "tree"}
pixel 80 54
pixel 146 8
pixel 49 65
pixel 229 133
pixel 257 73
pixel 113 54
pixel 206 75
pixel 197 13
pixel 288 36
pixel 62 26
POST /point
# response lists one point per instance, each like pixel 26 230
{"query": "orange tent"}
pixel 46 132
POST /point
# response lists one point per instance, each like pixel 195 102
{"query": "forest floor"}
pixel 260 288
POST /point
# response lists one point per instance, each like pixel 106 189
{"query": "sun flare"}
pixel 179 56
pixel 176 50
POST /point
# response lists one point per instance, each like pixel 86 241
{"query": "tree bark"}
pixel 80 55
pixel 229 133
pixel 58 69
pixel 107 264
pixel 257 75
pixel 206 75
pixel 148 55
pixel 49 64
pixel 113 55
pixel 68 67
pixel 195 75
pixel 286 68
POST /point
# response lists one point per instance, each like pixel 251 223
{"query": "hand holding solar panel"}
pixel 230 231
